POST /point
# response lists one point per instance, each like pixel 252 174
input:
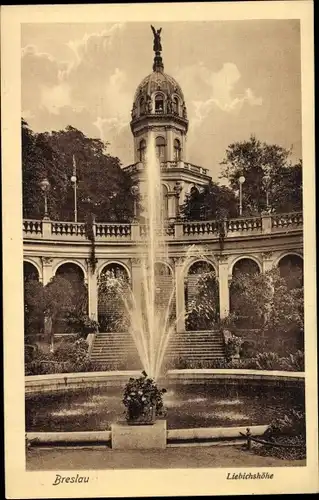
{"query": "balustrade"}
pixel 176 229
pixel 200 228
pixel 167 230
pixel 244 224
pixel 68 228
pixel 32 226
pixel 113 230
pixel 287 220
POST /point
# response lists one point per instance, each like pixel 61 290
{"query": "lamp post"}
pixel 45 186
pixel 74 183
pixel 241 181
pixel 267 182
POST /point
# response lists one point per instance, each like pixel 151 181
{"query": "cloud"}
pixel 219 88
pixel 56 97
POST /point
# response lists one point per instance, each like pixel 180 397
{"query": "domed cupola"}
pixel 159 107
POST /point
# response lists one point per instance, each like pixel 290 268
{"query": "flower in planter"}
pixel 143 399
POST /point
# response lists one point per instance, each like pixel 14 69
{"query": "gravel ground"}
pixel 192 457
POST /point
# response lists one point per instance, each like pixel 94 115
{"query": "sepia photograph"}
pixel 165 187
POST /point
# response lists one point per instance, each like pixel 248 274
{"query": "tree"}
pixel 269 302
pixel 44 304
pixel 203 311
pixel 103 188
pixel 211 202
pixel 268 172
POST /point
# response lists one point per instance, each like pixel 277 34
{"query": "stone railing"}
pixel 176 229
pixel 168 230
pixel 289 221
pixel 68 229
pixel 167 165
pixel 248 224
pixel 32 227
pixel 108 230
pixel 200 228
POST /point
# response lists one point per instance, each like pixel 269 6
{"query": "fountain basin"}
pixel 93 402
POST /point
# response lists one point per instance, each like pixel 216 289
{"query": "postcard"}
pixel 159 249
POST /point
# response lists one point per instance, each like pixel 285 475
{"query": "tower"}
pixel 159 108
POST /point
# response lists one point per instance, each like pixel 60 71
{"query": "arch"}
pixel 30 267
pixel 160 145
pixel 245 258
pixel 291 268
pixel 142 150
pixel 70 261
pixel 201 295
pixel 209 262
pixel 75 275
pixel 177 150
pixel 163 268
pixel 286 253
pixel 114 263
pixel 113 292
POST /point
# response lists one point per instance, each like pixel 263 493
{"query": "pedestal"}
pixel 133 437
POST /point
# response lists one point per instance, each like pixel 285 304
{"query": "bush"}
pixel 288 430
pixel 294 362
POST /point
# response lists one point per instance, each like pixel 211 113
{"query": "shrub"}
pixel 287 430
pixel 294 362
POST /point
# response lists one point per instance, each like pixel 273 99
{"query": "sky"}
pixel 238 77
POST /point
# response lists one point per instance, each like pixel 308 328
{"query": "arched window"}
pixel 160 148
pixel 142 106
pixel 159 103
pixel 141 150
pixel 176 105
pixel 177 150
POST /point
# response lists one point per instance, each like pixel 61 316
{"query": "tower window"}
pixel 160 148
pixel 176 105
pixel 177 150
pixel 142 106
pixel 159 104
pixel 141 150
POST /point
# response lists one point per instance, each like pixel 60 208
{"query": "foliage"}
pixel 268 301
pixel 232 345
pixel 83 324
pixel 294 362
pixel 203 310
pixel 103 188
pixel 113 292
pixel 68 357
pixel 142 397
pixel 211 202
pixel 287 430
pixel 266 168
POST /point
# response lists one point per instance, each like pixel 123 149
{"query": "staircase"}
pixel 118 349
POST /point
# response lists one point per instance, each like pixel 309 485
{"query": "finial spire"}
pixel 157 47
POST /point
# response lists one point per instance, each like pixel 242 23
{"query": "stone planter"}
pixel 132 437
pixel 134 417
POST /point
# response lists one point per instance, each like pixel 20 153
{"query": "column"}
pixel 223 286
pixel 171 205
pixel 47 272
pixel 267 261
pixel 180 295
pixel 92 292
pixel 169 142
pixel 136 282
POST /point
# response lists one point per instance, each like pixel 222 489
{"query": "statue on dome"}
pixel 157 46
